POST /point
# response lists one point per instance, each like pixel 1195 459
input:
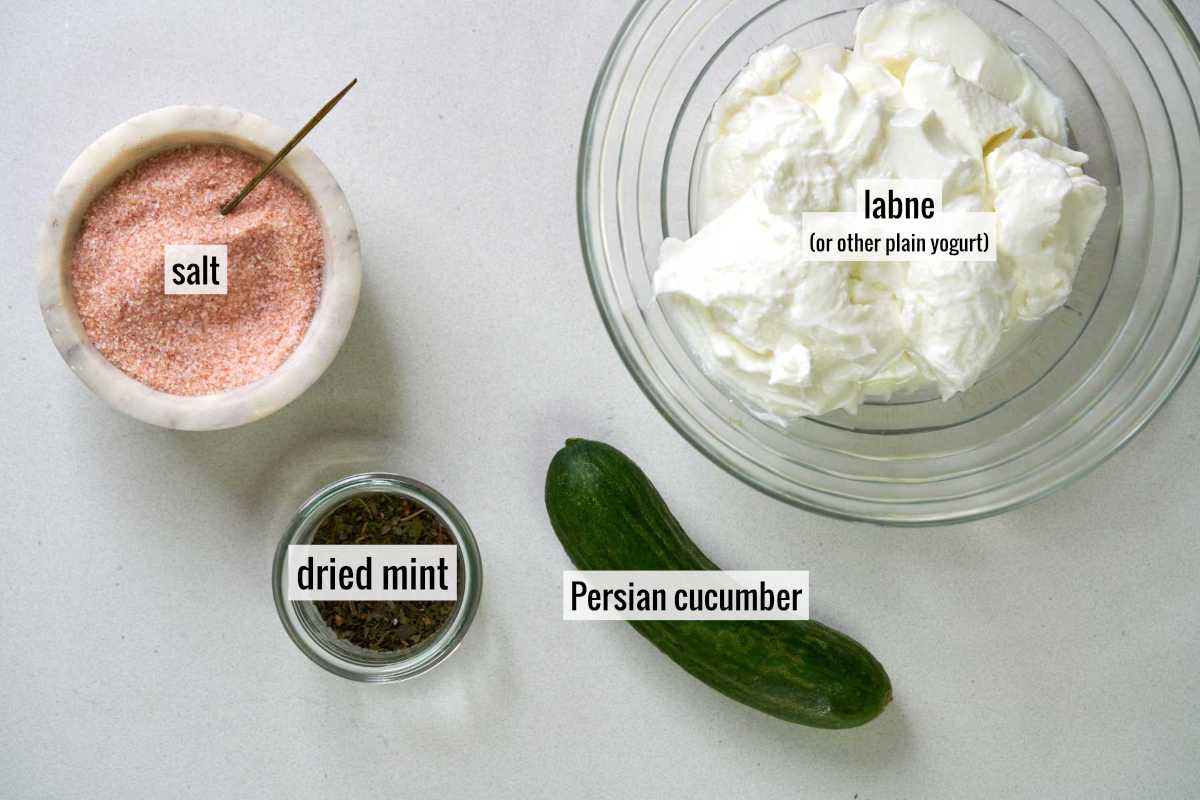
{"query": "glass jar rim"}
pixel 408 663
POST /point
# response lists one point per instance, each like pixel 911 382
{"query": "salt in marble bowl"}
pixel 111 156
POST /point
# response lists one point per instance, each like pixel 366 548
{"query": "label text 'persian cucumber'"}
pixel 685 595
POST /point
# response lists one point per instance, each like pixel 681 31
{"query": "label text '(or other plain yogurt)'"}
pixel 899 221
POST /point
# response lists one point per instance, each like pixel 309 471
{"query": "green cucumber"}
pixel 609 516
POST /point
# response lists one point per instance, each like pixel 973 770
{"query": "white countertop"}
pixel 1050 652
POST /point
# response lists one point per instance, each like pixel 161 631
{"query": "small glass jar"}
pixel 314 638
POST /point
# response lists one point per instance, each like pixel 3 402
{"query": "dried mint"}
pixel 383 625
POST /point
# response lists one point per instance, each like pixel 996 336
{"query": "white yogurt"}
pixel 925 94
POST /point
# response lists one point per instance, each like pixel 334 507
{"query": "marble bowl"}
pixel 117 151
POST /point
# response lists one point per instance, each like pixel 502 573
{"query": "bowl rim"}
pixel 112 154
pixel 717 452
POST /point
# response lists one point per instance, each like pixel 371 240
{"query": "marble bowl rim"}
pixel 113 153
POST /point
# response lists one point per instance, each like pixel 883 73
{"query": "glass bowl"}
pixel 303 622
pixel 1076 388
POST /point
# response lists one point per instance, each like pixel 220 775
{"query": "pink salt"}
pixel 197 344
